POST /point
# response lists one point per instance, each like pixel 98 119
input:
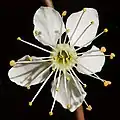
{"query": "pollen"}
pixel 89 108
pixel 50 113
pixel 12 63
pixel 106 83
pixel 105 30
pixel 64 13
pixel 19 38
pixel 103 49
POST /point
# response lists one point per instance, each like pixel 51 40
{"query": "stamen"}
pixel 66 91
pixel 89 107
pixel 83 32
pixel 84 10
pixel 63 14
pixel 104 31
pixel 30 103
pixel 34 45
pixel 39 58
pixel 75 81
pixel 78 78
pixel 32 62
pixel 95 76
pixel 106 83
pixel 58 83
pixel 112 55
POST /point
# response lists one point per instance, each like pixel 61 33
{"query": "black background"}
pixel 16 19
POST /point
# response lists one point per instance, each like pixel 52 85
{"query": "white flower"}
pixel 81 29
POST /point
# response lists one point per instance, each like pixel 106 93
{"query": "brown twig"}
pixel 48 3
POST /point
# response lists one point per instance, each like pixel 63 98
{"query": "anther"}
pixel 30 103
pixel 12 63
pixel 30 58
pixel 106 83
pixel 85 85
pixel 84 9
pixel 36 33
pixel 92 22
pixel 50 113
pixel 103 49
pixel 105 30
pixel 89 108
pixel 68 78
pixel 67 30
pixel 64 13
pixel 19 38
pixel 53 68
pixel 112 55
pixel 57 89
pixel 68 106
pixel 28 86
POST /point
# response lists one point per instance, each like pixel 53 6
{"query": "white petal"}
pixel 89 16
pixel 74 95
pixel 93 63
pixel 47 21
pixel 20 72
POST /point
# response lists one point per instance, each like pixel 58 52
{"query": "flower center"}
pixel 64 56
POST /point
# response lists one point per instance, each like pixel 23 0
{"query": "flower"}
pixel 67 88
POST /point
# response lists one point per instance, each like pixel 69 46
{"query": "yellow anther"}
pixel 106 83
pixel 30 58
pixel 112 55
pixel 89 108
pixel 57 89
pixel 19 38
pixel 85 85
pixel 28 87
pixel 50 113
pixel 68 106
pixel 67 30
pixel 92 22
pixel 84 9
pixel 105 30
pixel 103 49
pixel 12 63
pixel 68 78
pixel 36 32
pixel 64 13
pixel 30 103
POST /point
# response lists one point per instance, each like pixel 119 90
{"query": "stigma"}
pixel 64 56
